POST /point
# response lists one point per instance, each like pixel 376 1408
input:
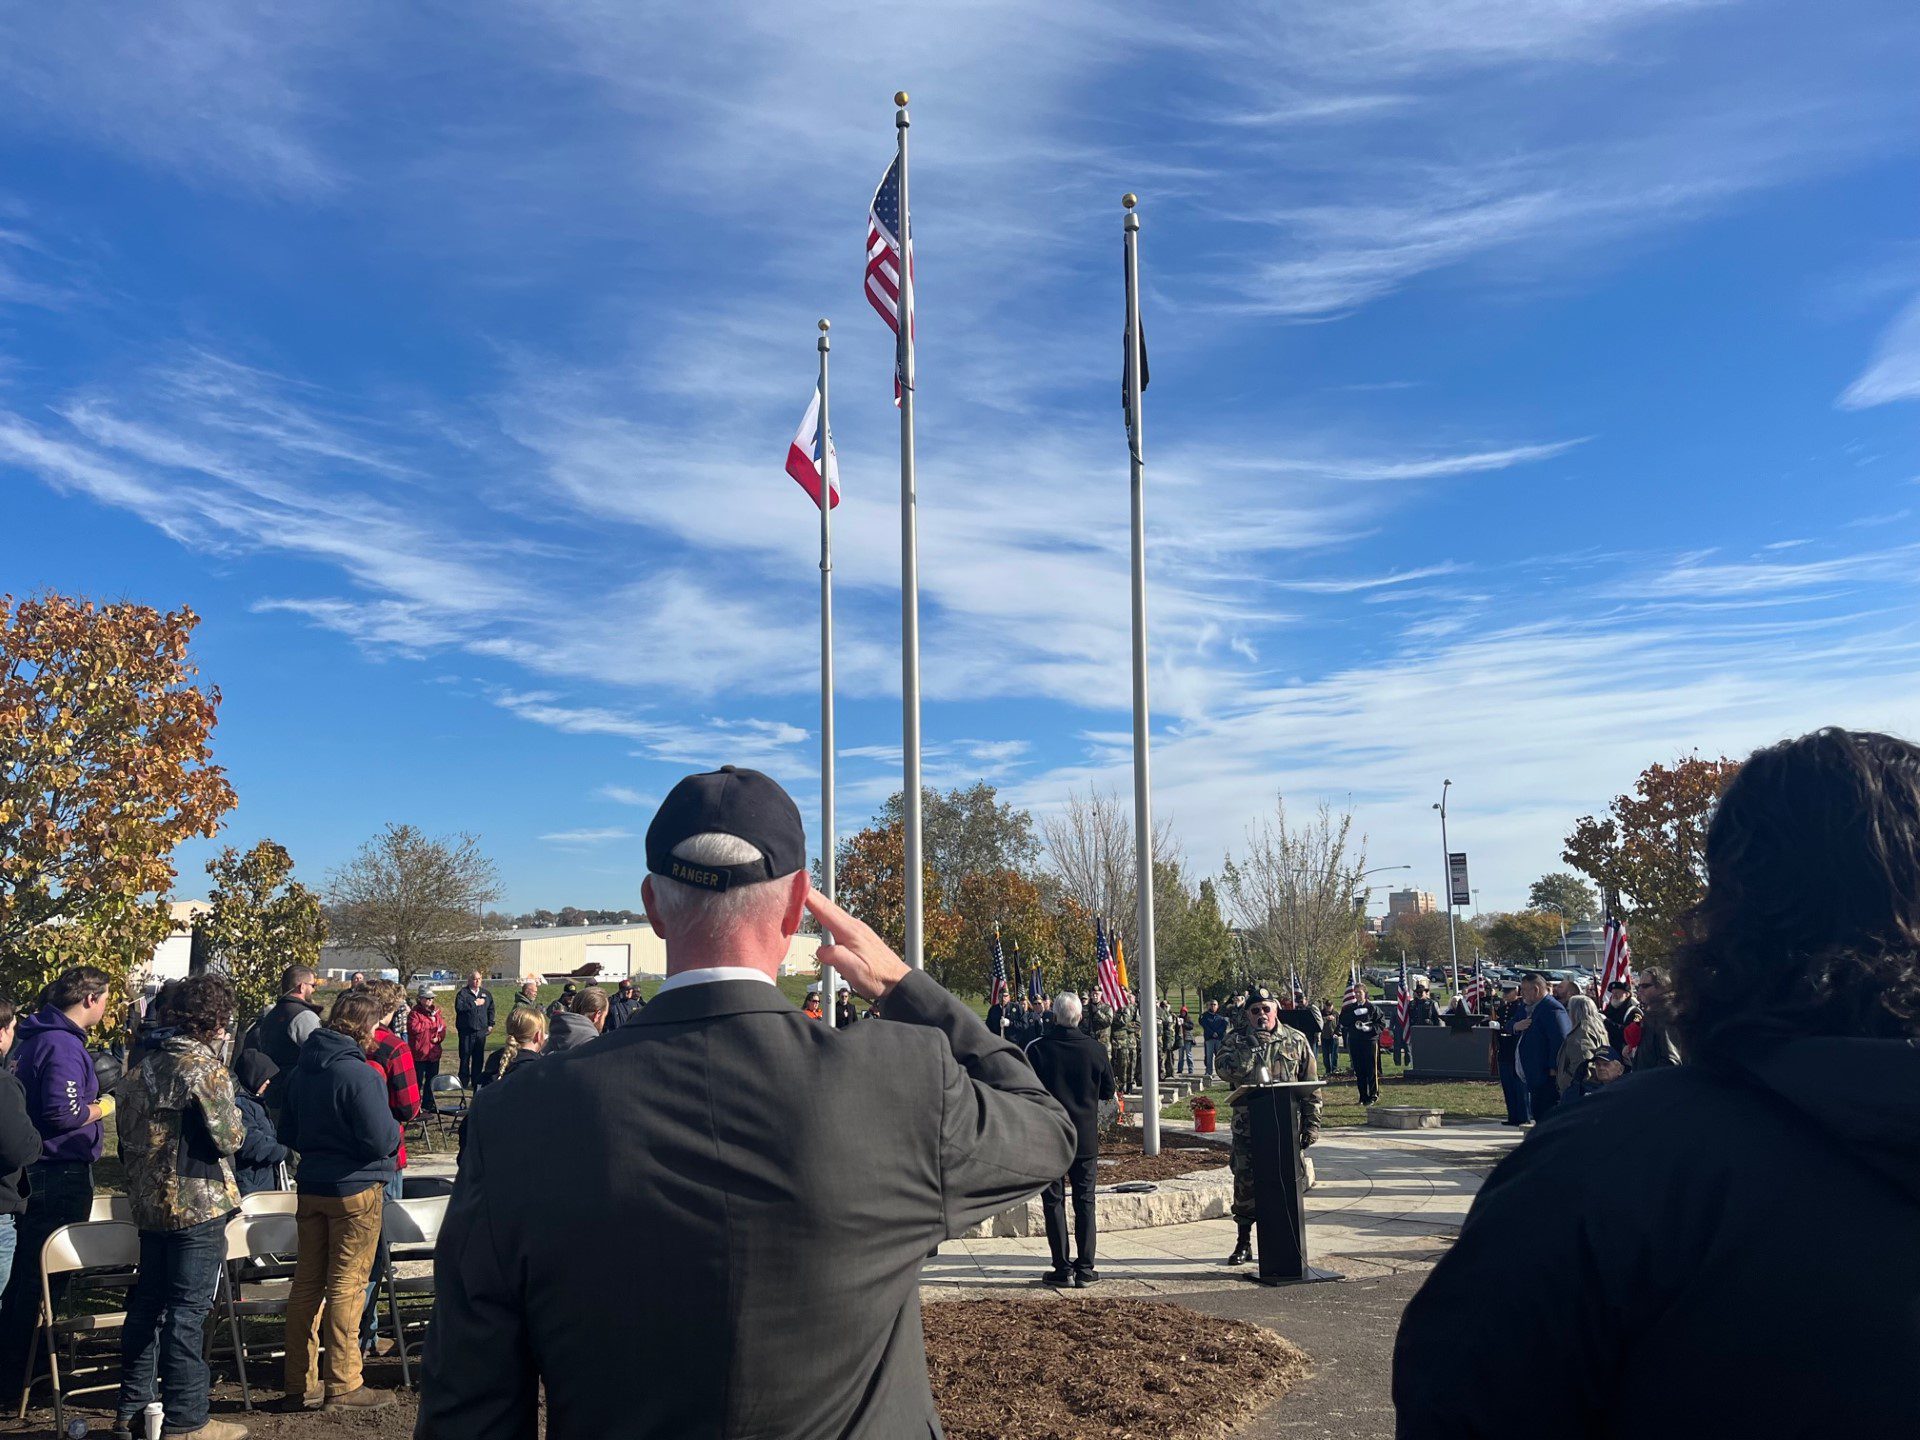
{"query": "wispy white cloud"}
pixel 603 836
pixel 1894 372
pixel 625 795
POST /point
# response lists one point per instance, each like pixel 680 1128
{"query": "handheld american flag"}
pixel 1106 969
pixel 886 225
pixel 1476 987
pixel 1406 996
pixel 997 990
pixel 1619 962
pixel 1356 992
pixel 811 455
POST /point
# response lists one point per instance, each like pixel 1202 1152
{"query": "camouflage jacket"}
pixel 178 1125
pixel 1287 1056
pixel 1098 1021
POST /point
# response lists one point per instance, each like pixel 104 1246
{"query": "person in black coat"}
pixel 1077 1072
pixel 1659 1229
pixel 1360 1026
pixel 472 1023
pixel 19 1147
pixel 256 1166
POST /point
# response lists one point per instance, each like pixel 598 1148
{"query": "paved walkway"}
pixel 1387 1202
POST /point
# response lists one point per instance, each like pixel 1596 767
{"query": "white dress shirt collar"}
pixel 706 975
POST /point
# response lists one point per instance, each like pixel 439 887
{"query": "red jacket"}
pixel 426 1030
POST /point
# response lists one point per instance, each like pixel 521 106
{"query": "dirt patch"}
pixel 1145 1370
pixel 1133 1368
pixel 1179 1155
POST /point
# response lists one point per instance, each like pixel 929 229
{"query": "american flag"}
pixel 997 992
pixel 885 225
pixel 1619 962
pixel 1356 992
pixel 1105 969
pixel 1406 995
pixel 1476 987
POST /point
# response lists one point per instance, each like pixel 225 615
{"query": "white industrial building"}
pixel 619 951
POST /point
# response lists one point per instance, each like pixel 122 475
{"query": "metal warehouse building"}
pixel 618 950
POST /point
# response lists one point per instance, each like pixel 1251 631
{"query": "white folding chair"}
pixel 411 1229
pixel 270 1202
pixel 72 1250
pixel 267 1233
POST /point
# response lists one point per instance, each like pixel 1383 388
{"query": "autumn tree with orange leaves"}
pixel 1649 853
pixel 870 869
pixel 105 768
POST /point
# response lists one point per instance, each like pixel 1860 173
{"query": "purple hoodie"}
pixel 51 1060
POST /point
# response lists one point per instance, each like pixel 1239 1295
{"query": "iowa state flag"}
pixel 811 453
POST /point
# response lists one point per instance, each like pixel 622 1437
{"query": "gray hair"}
pixel 1066 1008
pixel 682 905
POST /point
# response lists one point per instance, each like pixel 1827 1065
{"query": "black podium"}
pixel 1279 1201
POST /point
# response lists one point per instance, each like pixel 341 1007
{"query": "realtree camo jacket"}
pixel 1287 1056
pixel 178 1125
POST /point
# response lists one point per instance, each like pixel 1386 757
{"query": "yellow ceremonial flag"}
pixel 1120 963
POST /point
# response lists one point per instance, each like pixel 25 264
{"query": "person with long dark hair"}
pixel 1671 1224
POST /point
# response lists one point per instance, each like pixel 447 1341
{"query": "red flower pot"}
pixel 1203 1121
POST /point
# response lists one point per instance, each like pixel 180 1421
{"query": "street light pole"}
pixel 1446 881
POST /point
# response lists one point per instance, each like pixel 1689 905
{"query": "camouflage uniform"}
pixel 1126 1047
pixel 1163 1036
pixel 1098 1022
pixel 176 1180
pixel 1287 1056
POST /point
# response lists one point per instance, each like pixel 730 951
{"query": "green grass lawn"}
pixel 1340 1101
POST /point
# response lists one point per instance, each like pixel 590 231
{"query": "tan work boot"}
pixel 216 1430
pixel 361 1398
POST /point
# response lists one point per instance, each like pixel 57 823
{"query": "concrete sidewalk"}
pixel 1387 1202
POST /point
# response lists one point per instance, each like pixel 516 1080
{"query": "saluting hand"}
pixel 868 963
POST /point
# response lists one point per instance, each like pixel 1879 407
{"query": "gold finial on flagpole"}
pixel 899 97
pixel 825 325
pixel 1129 200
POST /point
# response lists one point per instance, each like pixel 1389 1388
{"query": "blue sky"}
pixel 1535 387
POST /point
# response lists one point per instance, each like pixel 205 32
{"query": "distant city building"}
pixel 1407 905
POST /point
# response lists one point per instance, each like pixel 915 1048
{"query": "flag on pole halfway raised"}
pixel 885 227
pixel 1106 968
pixel 811 455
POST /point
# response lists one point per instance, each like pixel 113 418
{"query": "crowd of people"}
pixel 311 1097
pixel 1643 1226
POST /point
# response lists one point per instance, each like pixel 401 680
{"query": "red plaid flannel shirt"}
pixel 391 1057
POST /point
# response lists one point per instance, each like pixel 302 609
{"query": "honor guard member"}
pixel 1126 1047
pixel 1098 1022
pixel 1163 1037
pixel 1360 1024
pixel 1286 1055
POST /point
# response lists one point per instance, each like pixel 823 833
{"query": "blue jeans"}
pixel 370 1312
pixel 1212 1053
pixel 1185 1067
pixel 9 1236
pixel 167 1323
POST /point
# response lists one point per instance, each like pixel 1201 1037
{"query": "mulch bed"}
pixel 1037 1369
pixel 1180 1154
pixel 1100 1370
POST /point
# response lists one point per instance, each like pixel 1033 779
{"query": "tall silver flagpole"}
pixel 909 571
pixel 827 839
pixel 1142 788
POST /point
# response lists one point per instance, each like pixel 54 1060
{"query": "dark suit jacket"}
pixel 787 1180
pixel 1076 1071
pixel 1539 1048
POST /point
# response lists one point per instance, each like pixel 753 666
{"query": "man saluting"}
pixel 791 1178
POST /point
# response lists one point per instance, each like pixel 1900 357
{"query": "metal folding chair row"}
pixel 265 1230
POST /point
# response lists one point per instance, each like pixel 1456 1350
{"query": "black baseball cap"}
pixel 1619 985
pixel 728 801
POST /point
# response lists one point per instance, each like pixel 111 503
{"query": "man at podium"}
pixel 1263 1044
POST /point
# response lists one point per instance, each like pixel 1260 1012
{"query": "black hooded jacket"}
pixel 1723 1253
